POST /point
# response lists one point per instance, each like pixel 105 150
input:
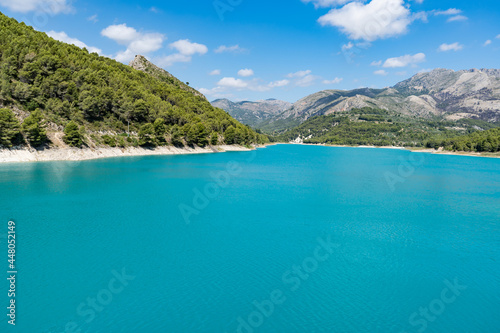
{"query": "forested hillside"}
pixel 48 88
pixel 369 126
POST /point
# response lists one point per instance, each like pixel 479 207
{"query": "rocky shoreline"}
pixel 77 154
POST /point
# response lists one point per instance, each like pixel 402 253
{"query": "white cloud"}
pixel 497 37
pixel 45 6
pixel 245 72
pixel 148 43
pixel 93 18
pixel 376 63
pixel 215 72
pixel 306 81
pixel 327 3
pixel 232 49
pixel 381 72
pixel 228 84
pixel 451 11
pixel 488 42
pixel 457 18
pixel 173 58
pixel 404 61
pixel 450 47
pixel 136 42
pixel 63 37
pixel 186 47
pixel 419 1
pixel 347 46
pixel 231 82
pixel 377 19
pixel 334 81
pixel 121 34
pixel 299 74
pixel 280 83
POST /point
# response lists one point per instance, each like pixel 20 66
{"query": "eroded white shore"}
pixel 76 154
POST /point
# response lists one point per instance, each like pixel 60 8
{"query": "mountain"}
pixel 444 93
pixel 252 113
pixel 55 94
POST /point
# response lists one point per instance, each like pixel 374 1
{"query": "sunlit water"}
pixel 289 239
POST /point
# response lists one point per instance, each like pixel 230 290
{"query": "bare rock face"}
pixel 144 65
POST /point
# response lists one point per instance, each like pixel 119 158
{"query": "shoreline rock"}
pixel 82 154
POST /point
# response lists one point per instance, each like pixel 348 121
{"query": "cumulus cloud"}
pixel 231 49
pixel 404 61
pixel 185 51
pixel 135 41
pixel 186 47
pixel 63 37
pixel 334 81
pixel 231 82
pixel 245 72
pixel 215 72
pixel 381 72
pixel 121 33
pixel 45 6
pixel 377 19
pixel 450 47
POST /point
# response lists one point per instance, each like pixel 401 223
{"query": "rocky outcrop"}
pixel 144 65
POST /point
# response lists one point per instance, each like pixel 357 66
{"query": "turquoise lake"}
pixel 283 239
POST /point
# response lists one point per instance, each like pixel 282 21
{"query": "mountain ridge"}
pixel 445 93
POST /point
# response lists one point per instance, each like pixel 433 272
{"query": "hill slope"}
pixel 98 101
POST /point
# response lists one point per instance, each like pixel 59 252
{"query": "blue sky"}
pixel 256 49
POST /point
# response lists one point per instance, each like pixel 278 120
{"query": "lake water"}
pixel 285 239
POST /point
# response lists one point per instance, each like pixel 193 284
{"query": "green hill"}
pixel 51 92
pixel 370 126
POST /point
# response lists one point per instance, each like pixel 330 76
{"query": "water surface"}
pixel 402 227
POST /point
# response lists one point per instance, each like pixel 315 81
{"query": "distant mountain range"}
pixel 442 93
pixel 253 113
